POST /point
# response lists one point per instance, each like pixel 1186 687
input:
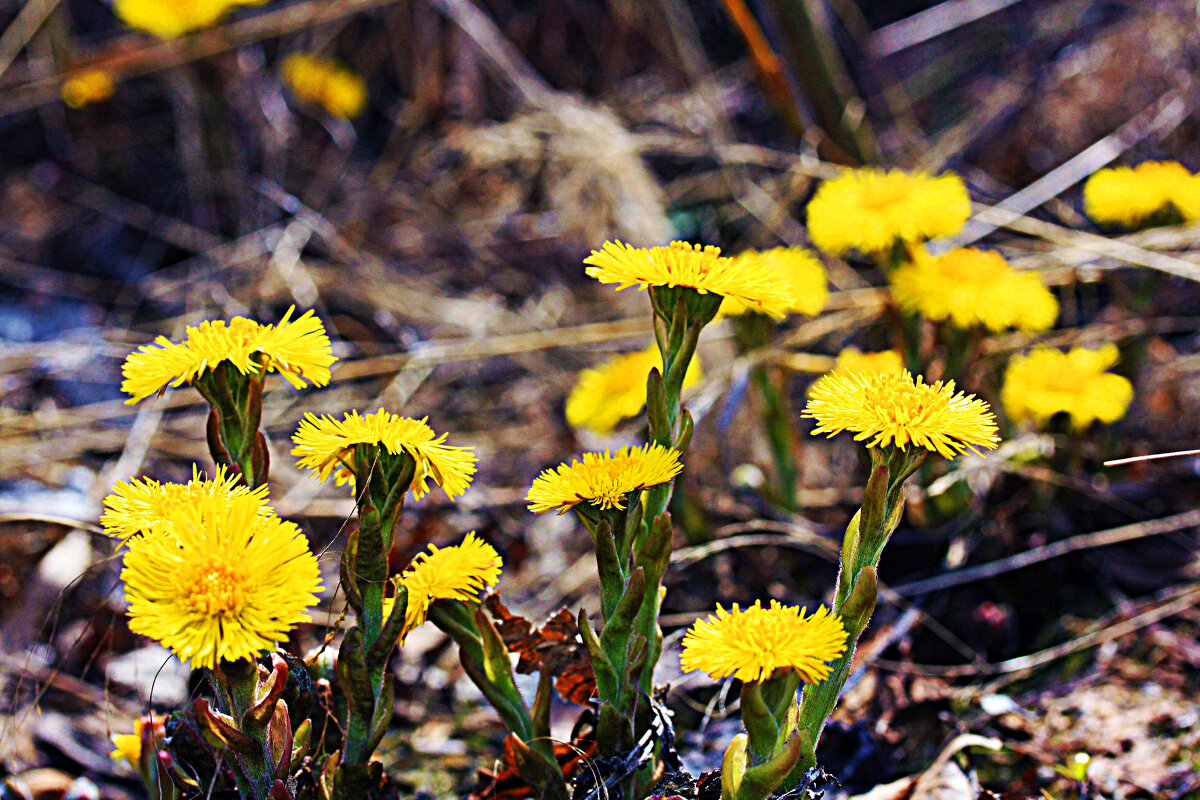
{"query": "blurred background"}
pixel 432 194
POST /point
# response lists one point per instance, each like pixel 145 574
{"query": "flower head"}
pixel 1047 381
pixel 298 349
pixel 896 409
pixel 603 479
pixel 170 19
pixel 751 644
pixel 460 573
pixel 1129 196
pixel 616 389
pixel 217 580
pixel 86 87
pixel 974 287
pixel 136 506
pixel 326 83
pixel 869 210
pixel 326 446
pixel 797 268
pixel 693 266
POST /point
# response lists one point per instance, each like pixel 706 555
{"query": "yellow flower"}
pixel 603 479
pixel 298 349
pixel 1129 196
pixel 326 83
pixel 134 507
pixel 217 580
pixel 869 210
pixel 86 87
pixel 796 268
pixel 752 644
pixel 896 409
pixel 459 573
pixel 326 446
pixel 128 746
pixel 694 266
pixel 1048 381
pixel 616 389
pixel 974 287
pixel 852 361
pixel 170 19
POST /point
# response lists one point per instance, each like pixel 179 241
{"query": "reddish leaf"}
pixel 507 784
pixel 555 645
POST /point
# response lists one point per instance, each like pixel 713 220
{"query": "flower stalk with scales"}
pixel 901 420
pixel 218 579
pixel 228 363
pixel 771 650
pixel 383 457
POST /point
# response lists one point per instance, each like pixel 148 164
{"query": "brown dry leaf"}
pixel 555 646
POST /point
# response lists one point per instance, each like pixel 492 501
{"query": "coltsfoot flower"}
pixel 972 287
pixel 751 644
pixel 170 19
pixel 603 479
pixel 326 83
pixel 326 446
pixel 299 350
pixel 894 409
pixel 869 210
pixel 616 389
pixel 87 87
pixel 1047 381
pixel 459 572
pixel 1129 196
pixel 136 506
pixel 127 747
pixel 799 269
pixel 698 267
pixel 217 580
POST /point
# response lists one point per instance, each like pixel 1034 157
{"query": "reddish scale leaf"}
pixel 555 645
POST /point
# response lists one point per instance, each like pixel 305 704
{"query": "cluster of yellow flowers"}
pixel 870 210
pixel 173 18
pixel 972 287
pixel 1132 196
pixel 325 83
pixel 1047 381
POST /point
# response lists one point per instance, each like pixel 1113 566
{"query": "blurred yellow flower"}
pixel 852 361
pixel 1129 196
pixel 869 210
pixel 217 580
pixel 135 507
pixel 459 573
pixel 797 268
pixel 695 266
pixel 298 349
pixel 616 389
pixel 128 746
pixel 972 287
pixel 603 479
pixel 170 19
pixel 326 83
pixel 1047 381
pixel 326 446
pixel 86 87
pixel 751 644
pixel 891 408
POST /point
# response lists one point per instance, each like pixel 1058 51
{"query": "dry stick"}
pixel 1125 533
pixel 1179 600
pixel 159 56
pixel 931 23
pixel 22 28
pixel 1159 118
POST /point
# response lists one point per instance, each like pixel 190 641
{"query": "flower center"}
pixel 886 193
pixel 214 589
